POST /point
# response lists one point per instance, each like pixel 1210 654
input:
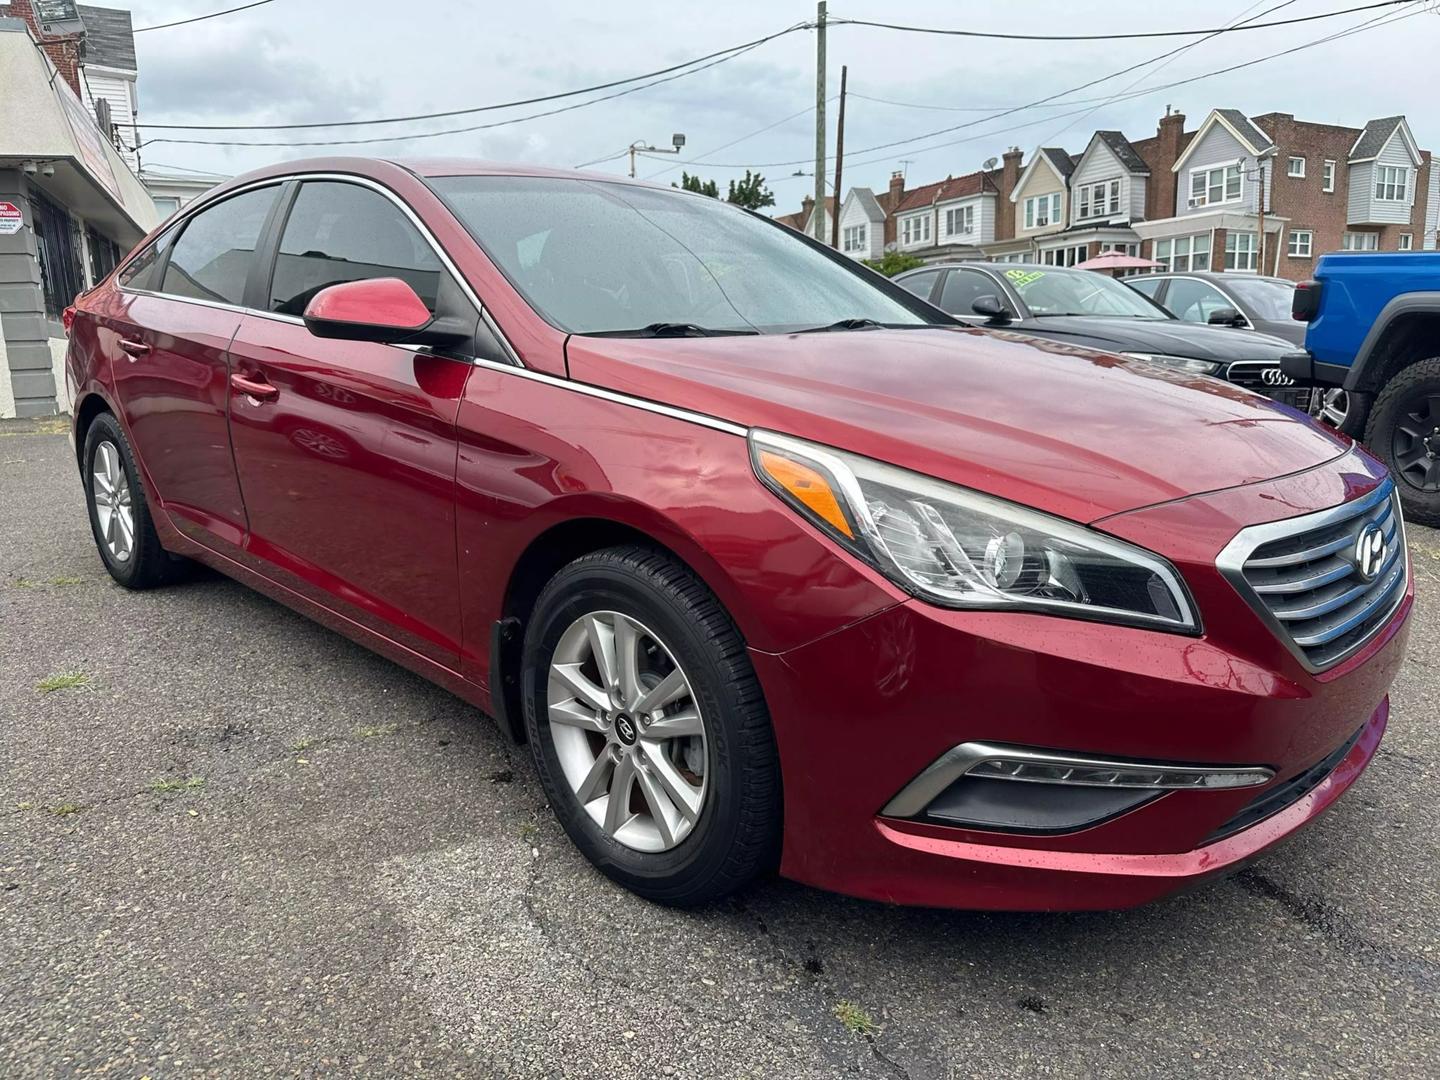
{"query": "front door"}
pixel 169 351
pixel 346 450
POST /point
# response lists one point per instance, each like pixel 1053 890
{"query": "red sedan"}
pixel 772 564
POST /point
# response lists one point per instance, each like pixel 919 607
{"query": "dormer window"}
pixel 1392 183
pixel 1097 200
pixel 1042 210
pixel 1218 185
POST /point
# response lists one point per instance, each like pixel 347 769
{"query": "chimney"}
pixel 63 49
pixel 1160 194
pixel 1009 177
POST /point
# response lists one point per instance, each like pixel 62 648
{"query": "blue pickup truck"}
pixel 1374 341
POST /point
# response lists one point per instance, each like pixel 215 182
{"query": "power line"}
pixel 742 138
pixel 1111 36
pixel 743 47
pixel 474 127
pixel 601 160
pixel 1370 24
pixel 942 108
pixel 1380 20
pixel 201 18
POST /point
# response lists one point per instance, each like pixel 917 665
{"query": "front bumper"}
pixel 861 713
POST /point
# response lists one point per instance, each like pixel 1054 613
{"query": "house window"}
pixel 1065 256
pixel 1295 167
pixel 1300 243
pixel 165 205
pixel 1182 253
pixel 1360 241
pixel 1211 186
pixel 852 238
pixel 1327 175
pixel 960 221
pixel 1097 200
pixel 1391 182
pixel 1407 241
pixel 915 230
pixel 1241 252
pixel 1042 210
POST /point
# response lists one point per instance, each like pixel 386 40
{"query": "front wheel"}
pixel 649 731
pixel 1344 410
pixel 1404 432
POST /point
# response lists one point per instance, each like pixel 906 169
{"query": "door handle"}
pixel 135 349
pixel 254 388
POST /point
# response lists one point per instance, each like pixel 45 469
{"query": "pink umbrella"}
pixel 1117 260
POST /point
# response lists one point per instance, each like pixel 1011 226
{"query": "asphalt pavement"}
pixel 234 844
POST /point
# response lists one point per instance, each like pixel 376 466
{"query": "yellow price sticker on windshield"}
pixel 1024 277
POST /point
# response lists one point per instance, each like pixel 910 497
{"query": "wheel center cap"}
pixel 626 728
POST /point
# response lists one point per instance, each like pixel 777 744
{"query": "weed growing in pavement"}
pixel 63 680
pixel 376 730
pixel 66 809
pixel 856 1020
pixel 167 784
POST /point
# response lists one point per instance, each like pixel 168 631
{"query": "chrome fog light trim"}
pixel 998 762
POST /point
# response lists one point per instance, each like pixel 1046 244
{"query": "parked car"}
pixel 769 562
pixel 1095 311
pixel 1373 341
pixel 1245 301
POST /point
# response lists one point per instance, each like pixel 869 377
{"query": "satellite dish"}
pixel 990 163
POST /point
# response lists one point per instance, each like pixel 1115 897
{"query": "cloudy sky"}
pixel 295 61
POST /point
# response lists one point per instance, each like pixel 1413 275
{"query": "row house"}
pixel 1191 200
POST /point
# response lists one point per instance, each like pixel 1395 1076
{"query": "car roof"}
pixel 982 264
pixel 1213 275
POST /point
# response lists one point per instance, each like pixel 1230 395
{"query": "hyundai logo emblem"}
pixel 1275 377
pixel 625 728
pixel 1370 551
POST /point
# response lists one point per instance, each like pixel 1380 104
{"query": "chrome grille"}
pixel 1265 377
pixel 1303 576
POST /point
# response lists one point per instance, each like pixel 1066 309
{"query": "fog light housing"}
pixel 1016 788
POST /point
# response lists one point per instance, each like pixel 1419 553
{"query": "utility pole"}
pixel 820 121
pixel 839 161
pixel 1260 236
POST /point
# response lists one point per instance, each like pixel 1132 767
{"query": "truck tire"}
pixel 1404 433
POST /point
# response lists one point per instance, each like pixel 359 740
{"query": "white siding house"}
pixel 1383 166
pixel 1221 167
pixel 862 225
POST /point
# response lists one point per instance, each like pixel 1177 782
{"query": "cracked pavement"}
pixel 363 879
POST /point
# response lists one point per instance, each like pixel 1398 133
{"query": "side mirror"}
pixel 383 310
pixel 1226 316
pixel 992 307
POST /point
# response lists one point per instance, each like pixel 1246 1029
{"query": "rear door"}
pixel 169 356
pixel 962 288
pixel 347 457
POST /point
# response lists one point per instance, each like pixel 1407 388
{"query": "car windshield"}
pixel 1048 291
pixel 596 257
pixel 1265 297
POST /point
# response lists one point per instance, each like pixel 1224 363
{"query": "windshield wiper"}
pixel 671 329
pixel 844 324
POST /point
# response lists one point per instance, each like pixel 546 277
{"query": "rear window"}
pixel 212 258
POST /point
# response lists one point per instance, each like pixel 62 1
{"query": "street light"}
pixel 640 146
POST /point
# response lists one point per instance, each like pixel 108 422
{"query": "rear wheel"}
pixel 649 731
pixel 119 515
pixel 1404 432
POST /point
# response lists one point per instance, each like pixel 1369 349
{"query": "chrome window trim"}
pixel 344 178
pixel 959 760
pixel 1232 558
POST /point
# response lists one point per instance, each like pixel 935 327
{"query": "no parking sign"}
pixel 10 219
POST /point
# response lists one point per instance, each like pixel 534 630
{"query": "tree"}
pixel 894 262
pixel 702 187
pixel 751 192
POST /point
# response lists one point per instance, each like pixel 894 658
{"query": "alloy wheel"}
pixel 1415 446
pixel 627 730
pixel 1335 407
pixel 110 492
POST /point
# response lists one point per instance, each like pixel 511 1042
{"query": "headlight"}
pixel 1184 363
pixel 961 549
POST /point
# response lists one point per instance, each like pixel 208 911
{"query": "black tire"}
pixel 1413 393
pixel 149 564
pixel 737 834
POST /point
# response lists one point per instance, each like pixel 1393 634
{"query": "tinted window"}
pixel 961 289
pixel 343 232
pixel 1149 286
pixel 592 256
pixel 212 257
pixel 920 284
pixel 143 271
pixel 1193 300
pixel 1268 298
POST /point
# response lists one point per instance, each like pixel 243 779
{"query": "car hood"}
pixel 1169 336
pixel 1078 433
